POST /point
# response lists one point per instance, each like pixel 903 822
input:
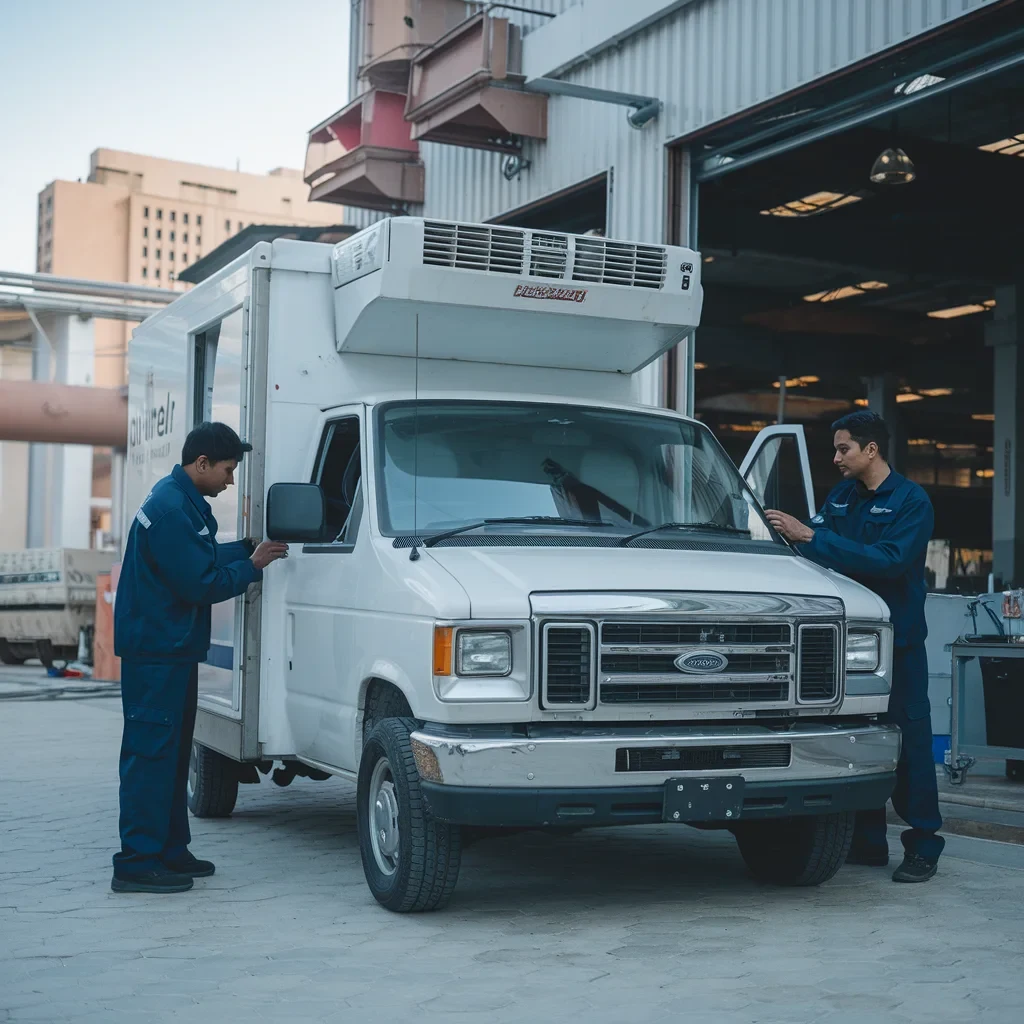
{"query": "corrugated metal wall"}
pixel 709 60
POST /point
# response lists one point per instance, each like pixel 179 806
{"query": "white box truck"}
pixel 48 603
pixel 516 597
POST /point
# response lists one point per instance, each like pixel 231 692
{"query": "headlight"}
pixel 862 652
pixel 484 654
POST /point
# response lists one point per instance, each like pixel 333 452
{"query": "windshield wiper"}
pixel 719 527
pixel 429 542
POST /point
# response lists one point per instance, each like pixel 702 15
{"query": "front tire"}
pixel 410 860
pixel 796 851
pixel 212 783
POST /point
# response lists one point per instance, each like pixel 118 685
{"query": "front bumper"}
pixel 581 775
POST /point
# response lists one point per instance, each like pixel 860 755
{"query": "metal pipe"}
pixel 83 286
pixel 81 307
pixel 45 413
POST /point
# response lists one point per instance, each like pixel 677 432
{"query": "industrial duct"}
pixel 45 413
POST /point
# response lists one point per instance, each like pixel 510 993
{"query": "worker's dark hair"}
pixel 217 441
pixel 865 427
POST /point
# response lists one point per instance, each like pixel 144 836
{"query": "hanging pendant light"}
pixel 893 167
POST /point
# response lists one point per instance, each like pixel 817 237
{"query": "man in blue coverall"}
pixel 875 527
pixel 172 573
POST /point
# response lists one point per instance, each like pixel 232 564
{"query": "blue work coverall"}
pixel 880 539
pixel 172 573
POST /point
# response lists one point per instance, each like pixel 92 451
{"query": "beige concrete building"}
pixel 134 220
pixel 142 220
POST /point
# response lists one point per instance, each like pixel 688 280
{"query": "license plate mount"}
pixel 718 798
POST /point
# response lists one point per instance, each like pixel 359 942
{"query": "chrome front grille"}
pixel 688 661
pixel 696 662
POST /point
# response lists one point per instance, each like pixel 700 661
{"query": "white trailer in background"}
pixel 48 603
pixel 515 598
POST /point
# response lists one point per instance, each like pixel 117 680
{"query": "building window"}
pixel 199 239
pixel 159 234
pixel 145 251
pixel 49 204
pixel 145 211
pixel 240 225
pixel 173 215
pixel 184 218
pixel 227 225
pixel 158 254
pixel 199 220
pixel 159 214
pixel 145 271
pixel 145 232
pixel 184 237
pixel 156 273
pixel 170 275
pixel 184 257
pixel 170 255
pixel 172 236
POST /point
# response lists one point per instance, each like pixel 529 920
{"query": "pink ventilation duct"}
pixel 47 413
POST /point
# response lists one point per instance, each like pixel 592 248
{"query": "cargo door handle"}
pixel 289 640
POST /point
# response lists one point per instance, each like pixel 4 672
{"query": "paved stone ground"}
pixel 644 924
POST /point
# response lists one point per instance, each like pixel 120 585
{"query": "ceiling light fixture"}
pixel 846 292
pixel 893 167
pixel 984 417
pixel 909 397
pixel 700 366
pixel 935 392
pixel 954 311
pixel 1011 146
pixel 985 474
pixel 810 206
pixel 862 402
pixel 917 84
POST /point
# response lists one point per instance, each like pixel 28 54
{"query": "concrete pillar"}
pixel 1004 335
pixel 882 392
pixel 60 476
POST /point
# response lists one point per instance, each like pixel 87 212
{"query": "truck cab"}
pixel 517 596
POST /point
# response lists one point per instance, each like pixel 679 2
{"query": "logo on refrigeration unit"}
pixel 701 662
pixel 547 291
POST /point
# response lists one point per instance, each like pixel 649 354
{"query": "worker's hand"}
pixel 792 529
pixel 268 551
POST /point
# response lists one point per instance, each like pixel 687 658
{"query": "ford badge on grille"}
pixel 701 662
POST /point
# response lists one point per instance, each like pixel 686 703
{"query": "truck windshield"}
pixel 447 464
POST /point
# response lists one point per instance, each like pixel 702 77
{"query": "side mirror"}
pixel 296 513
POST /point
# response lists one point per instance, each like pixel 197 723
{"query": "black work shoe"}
pixel 152 881
pixel 872 858
pixel 915 868
pixel 191 866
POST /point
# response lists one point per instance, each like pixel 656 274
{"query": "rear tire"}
pixel 212 783
pixel 7 655
pixel 796 851
pixel 410 860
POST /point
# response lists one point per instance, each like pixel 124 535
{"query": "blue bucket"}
pixel 940 744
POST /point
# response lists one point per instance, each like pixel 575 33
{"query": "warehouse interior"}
pixel 838 273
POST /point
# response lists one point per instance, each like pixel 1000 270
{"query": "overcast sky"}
pixel 210 81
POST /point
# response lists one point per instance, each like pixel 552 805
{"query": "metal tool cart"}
pixel 1002 701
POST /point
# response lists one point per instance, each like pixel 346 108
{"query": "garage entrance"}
pixel 860 247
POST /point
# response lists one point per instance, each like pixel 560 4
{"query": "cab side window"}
pixel 338 471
